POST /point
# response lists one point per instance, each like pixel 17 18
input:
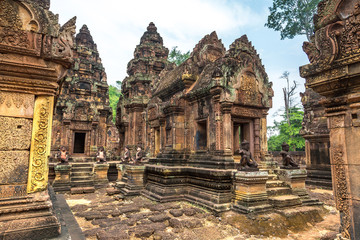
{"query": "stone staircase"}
pixel 81 178
pixel 280 194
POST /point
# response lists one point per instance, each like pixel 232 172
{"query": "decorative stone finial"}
pixel 151 27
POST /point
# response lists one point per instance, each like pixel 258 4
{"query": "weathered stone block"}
pixel 62 178
pixel 14 167
pixel 17 105
pixel 15 133
pixel 250 192
pixel 100 178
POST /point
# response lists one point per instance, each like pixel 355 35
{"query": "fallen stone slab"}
pixel 112 235
pixel 190 211
pixel 112 191
pixel 79 208
pixel 176 212
pixel 159 218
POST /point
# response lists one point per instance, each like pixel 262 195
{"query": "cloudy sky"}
pixel 117 26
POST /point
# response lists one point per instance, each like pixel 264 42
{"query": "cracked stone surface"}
pixel 102 217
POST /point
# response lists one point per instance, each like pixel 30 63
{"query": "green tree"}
pixel 114 94
pixel 283 132
pixel 287 130
pixel 292 17
pixel 177 57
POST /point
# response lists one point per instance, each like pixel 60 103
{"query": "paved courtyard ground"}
pixel 103 217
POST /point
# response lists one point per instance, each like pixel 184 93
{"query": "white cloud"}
pixel 117 26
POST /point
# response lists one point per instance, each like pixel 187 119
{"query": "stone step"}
pixel 275 183
pixel 83 159
pixel 285 201
pixel 272 177
pixel 82 164
pixel 82 190
pixel 81 178
pixel 319 182
pixel 310 202
pixel 78 174
pixel 81 169
pixel 82 183
pixel 278 191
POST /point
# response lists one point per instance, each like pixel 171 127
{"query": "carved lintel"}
pixel 40 144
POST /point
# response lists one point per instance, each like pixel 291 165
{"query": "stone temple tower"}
pixel 82 121
pixel 150 58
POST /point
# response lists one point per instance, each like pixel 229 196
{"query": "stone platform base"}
pixel 250 192
pixel 134 180
pixel 28 217
pixel 210 188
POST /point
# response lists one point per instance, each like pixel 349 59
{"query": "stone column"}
pixel 227 126
pixel 62 178
pixel 334 72
pixel 100 174
pixel 31 66
pixel 250 192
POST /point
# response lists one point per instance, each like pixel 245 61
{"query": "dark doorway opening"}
pixel 201 136
pixel 79 142
pixel 241 132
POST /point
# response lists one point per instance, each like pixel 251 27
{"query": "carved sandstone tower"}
pixel 150 58
pixel 334 72
pixel 34 55
pixel 82 121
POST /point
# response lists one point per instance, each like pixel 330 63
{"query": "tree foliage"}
pixel 114 94
pixel 287 133
pixel 287 130
pixel 177 57
pixel 292 17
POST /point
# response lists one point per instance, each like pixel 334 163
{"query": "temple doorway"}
pixel 79 142
pixel 201 136
pixel 241 132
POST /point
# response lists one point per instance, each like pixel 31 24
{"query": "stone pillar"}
pixel 250 192
pixel 334 72
pixel 33 60
pixel 100 174
pixel 62 178
pixel 227 126
pixel 135 180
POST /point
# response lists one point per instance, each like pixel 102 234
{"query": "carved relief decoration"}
pixel 14 166
pixel 15 133
pixel 249 90
pixel 337 121
pixel 341 188
pixel 7 191
pixel 40 144
pixel 62 46
pixel 336 35
pixel 246 112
